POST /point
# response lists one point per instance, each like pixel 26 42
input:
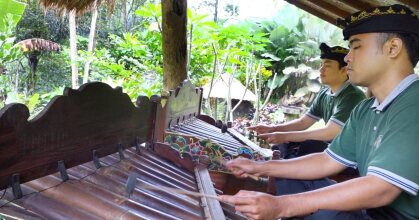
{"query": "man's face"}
pixel 365 59
pixel 330 73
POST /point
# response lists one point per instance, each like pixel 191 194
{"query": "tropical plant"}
pixel 8 51
pixel 33 49
pixel 12 9
pixel 133 60
pixel 10 13
pixel 294 53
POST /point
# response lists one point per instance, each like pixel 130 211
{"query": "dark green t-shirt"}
pixel 383 140
pixel 338 106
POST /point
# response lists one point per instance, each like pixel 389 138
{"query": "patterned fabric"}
pixel 385 19
pixel 217 155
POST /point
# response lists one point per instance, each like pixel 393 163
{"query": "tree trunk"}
pixel 256 84
pixel 73 49
pixel 92 42
pixel 269 93
pixel 258 94
pixel 216 109
pixel 229 116
pixel 16 89
pixel 216 11
pixel 125 15
pixel 174 43
pixel 245 91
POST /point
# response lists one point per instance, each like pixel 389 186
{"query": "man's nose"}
pixel 348 57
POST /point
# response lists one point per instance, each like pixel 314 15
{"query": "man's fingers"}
pixel 248 210
pixel 236 163
pixel 253 127
pixel 246 193
pixel 264 136
pixel 238 172
pixel 226 199
pixel 239 167
pixel 237 200
pixel 229 199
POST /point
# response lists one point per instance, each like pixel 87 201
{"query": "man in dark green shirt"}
pixel 380 137
pixel 333 104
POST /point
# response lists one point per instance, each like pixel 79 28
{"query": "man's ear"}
pixel 394 47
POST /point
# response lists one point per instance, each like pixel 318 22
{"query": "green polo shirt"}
pixel 382 139
pixel 336 106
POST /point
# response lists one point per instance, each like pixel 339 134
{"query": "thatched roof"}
pixel 220 89
pixel 80 6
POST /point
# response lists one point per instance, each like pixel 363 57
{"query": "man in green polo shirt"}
pixel 333 104
pixel 380 138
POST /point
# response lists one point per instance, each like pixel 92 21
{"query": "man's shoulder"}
pixel 322 93
pixel 413 88
pixel 351 95
pixel 354 91
pixel 408 99
pixel 323 90
pixel 363 107
pixel 366 103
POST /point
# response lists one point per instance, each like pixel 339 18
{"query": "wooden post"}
pixel 73 49
pixel 174 43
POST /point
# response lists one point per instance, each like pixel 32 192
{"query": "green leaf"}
pixel 234 60
pixel 313 74
pixel 302 68
pixel 293 58
pixel 279 81
pixel 301 92
pixel 271 56
pixel 313 85
pixel 12 7
pixel 288 17
pixel 288 70
pixel 279 34
pixel 33 101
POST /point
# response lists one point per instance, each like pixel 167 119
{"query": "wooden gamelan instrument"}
pixel 93 154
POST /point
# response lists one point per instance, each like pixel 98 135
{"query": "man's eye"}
pixel 357 47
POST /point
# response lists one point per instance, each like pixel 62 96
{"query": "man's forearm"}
pixel 294 125
pixel 327 133
pixel 314 166
pixel 355 194
pixel 318 134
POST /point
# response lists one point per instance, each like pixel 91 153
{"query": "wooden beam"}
pixel 312 11
pixel 330 8
pixel 413 4
pixel 358 5
pixel 212 208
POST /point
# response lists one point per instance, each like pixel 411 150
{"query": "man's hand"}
pixel 275 138
pixel 242 167
pixel 255 205
pixel 262 129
